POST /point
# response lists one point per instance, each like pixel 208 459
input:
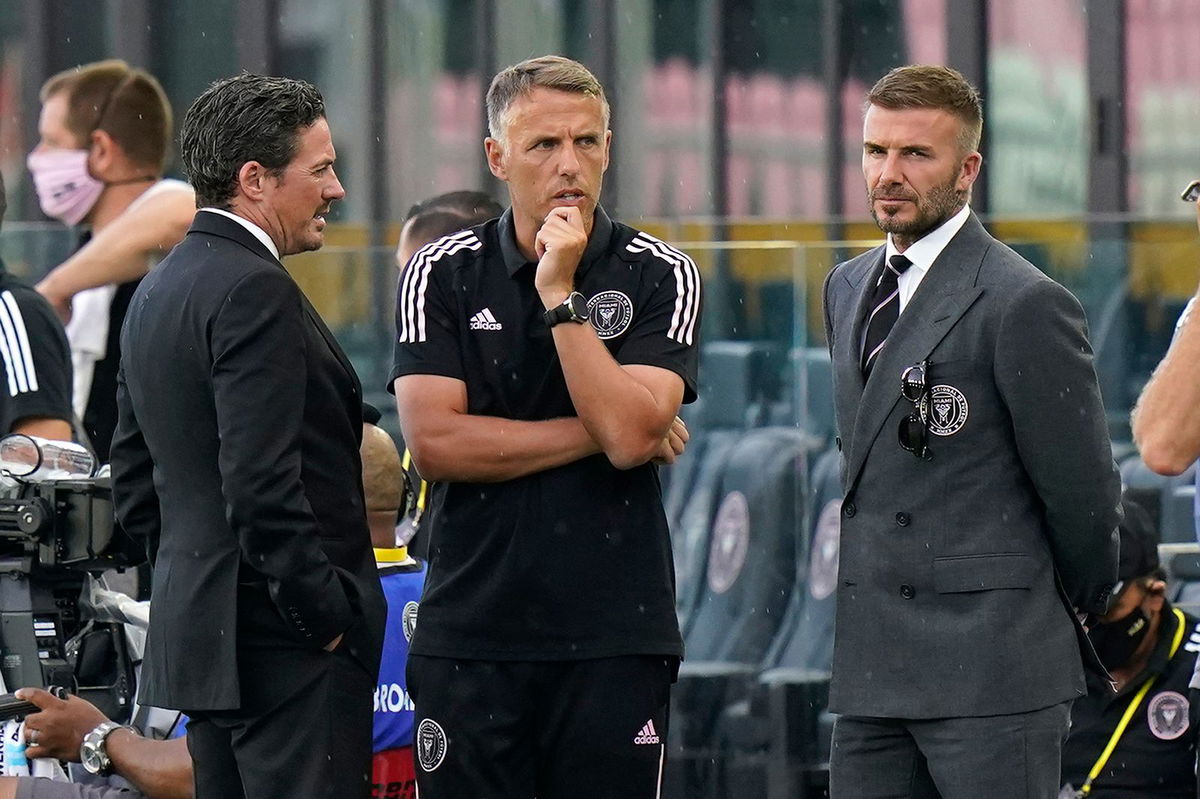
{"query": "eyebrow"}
pixel 908 148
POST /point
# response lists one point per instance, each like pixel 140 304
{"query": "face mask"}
pixel 1116 641
pixel 65 188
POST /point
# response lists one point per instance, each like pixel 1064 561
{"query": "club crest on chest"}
pixel 946 409
pixel 611 313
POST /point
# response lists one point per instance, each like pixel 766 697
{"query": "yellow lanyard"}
pixel 424 486
pixel 1129 711
pixel 391 554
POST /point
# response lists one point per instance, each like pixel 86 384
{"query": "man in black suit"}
pixel 981 496
pixel 236 459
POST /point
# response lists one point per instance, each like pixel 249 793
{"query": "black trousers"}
pixel 587 729
pixel 1017 756
pixel 304 730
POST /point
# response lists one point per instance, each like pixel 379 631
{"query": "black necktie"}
pixel 885 310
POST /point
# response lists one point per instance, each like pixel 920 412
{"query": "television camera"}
pixel 57 526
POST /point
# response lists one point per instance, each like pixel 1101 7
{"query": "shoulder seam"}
pixel 687 284
pixel 414 283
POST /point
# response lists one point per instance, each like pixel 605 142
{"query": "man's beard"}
pixel 938 205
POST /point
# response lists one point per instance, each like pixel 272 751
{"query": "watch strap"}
pixel 564 312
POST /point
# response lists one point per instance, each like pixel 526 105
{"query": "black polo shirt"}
pixel 573 562
pixel 35 359
pixel 1156 756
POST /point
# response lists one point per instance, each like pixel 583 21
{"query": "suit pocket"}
pixel 965 573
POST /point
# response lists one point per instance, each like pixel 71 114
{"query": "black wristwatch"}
pixel 573 309
pixel 93 753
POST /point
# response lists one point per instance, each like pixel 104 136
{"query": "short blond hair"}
pixel 126 103
pixel 383 475
pixel 928 86
pixel 547 72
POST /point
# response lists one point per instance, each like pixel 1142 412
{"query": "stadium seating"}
pixel 740 378
pixel 748 578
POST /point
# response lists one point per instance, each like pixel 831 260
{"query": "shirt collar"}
pixel 923 252
pixel 258 232
pixel 602 228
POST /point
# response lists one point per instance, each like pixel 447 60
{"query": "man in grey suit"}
pixel 981 499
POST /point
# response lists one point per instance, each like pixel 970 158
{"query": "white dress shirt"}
pixel 924 252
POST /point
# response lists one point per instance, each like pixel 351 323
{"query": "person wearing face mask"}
pixel 105 132
pixel 1140 740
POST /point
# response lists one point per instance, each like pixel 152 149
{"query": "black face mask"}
pixel 1116 641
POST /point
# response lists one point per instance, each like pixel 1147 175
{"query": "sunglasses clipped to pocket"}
pixel 914 428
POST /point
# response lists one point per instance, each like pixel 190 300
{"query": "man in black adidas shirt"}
pixel 35 360
pixel 540 362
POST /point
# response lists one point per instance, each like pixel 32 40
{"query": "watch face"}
pixel 91 759
pixel 578 306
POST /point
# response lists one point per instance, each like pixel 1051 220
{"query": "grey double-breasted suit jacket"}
pixel 958 574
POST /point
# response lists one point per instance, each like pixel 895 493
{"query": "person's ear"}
pixel 1156 596
pixel 102 154
pixel 252 180
pixel 969 171
pixel 495 157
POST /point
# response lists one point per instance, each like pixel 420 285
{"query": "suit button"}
pixel 907 591
pixel 903 519
pixel 849 510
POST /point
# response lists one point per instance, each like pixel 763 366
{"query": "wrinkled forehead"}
pixel 910 126
pixel 543 109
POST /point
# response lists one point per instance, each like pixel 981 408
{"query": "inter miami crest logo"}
pixel 611 313
pixel 1168 715
pixel 408 620
pixel 826 546
pixel 430 742
pixel 730 542
pixel 946 409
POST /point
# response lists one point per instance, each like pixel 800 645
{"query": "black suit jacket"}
pixel 236 459
pixel 957 574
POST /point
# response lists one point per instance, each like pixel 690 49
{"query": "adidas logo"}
pixel 485 321
pixel 647 735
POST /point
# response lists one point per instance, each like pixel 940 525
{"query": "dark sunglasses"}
pixel 914 428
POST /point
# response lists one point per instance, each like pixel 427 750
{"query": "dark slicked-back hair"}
pixel 241 119
pixel 547 72
pixel 126 103
pixel 923 86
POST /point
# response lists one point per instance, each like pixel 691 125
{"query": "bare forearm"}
pixel 159 769
pixel 45 427
pixel 1166 424
pixel 486 449
pixel 620 413
pixel 120 252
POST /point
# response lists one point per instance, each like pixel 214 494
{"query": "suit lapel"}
pixel 332 343
pixel 218 225
pixel 945 294
pixel 848 338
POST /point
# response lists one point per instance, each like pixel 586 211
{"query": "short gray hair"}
pixel 548 72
